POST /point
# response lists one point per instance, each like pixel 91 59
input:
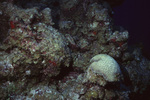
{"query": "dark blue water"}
pixel 134 15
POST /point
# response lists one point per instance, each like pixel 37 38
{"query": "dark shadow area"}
pixel 4 27
pixel 63 72
pixel 114 3
pixel 139 96
pixel 134 16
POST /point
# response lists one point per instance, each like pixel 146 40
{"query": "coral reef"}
pixel 35 43
pixel 103 68
pixel 67 50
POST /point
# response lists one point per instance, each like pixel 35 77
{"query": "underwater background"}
pixel 133 15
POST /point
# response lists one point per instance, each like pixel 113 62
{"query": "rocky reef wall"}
pixel 67 50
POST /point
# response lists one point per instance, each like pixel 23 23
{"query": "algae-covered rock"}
pixel 32 40
pixel 44 93
pixel 6 67
pixel 40 92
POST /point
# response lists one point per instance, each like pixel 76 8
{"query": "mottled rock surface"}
pixel 46 47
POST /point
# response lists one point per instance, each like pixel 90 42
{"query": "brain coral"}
pixel 103 69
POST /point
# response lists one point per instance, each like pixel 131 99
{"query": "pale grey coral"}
pixel 105 67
